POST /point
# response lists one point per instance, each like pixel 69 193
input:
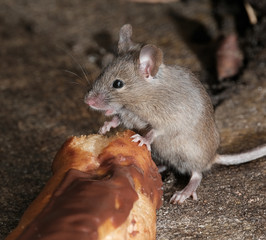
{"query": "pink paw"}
pixel 108 125
pixel 142 141
pixel 105 128
pixel 180 196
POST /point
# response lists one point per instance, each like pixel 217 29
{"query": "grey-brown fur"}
pixel 176 103
pixel 169 100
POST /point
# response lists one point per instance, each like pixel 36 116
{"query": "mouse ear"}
pixel 125 42
pixel 150 59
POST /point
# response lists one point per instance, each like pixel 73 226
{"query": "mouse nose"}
pixel 94 100
pixel 89 100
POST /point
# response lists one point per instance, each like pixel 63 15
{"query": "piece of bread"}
pixel 101 188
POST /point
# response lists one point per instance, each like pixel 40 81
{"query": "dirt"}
pixel 42 42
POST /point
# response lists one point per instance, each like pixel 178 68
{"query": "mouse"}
pixel 137 90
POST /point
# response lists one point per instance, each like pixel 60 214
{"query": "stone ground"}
pixel 41 42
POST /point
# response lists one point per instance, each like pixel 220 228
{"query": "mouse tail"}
pixel 234 159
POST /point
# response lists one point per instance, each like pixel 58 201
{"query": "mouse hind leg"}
pixel 190 190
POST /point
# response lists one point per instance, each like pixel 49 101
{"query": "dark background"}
pixel 41 42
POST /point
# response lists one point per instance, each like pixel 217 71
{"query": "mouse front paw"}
pixel 108 125
pixel 105 128
pixel 142 141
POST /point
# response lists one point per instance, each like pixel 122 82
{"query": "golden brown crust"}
pixel 93 155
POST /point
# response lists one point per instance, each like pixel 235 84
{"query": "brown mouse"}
pixel 140 92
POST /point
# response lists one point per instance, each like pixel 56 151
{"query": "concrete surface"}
pixel 41 104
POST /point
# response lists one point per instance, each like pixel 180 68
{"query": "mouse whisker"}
pixel 82 68
pixel 80 84
pixel 75 74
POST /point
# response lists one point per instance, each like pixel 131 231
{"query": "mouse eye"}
pixel 118 83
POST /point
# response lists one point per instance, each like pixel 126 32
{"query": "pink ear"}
pixel 150 59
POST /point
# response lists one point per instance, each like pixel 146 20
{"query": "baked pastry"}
pixel 101 188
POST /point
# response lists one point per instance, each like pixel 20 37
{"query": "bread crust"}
pixel 114 165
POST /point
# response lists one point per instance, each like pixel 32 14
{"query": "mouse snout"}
pixel 90 101
pixel 94 101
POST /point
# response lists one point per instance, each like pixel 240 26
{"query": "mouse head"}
pixel 125 80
